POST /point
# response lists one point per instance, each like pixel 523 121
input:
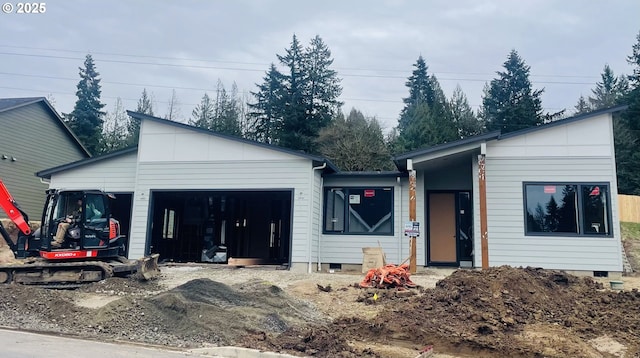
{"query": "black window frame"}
pixel 345 218
pixel 580 218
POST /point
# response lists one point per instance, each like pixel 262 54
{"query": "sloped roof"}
pixel 497 135
pixel 315 158
pixel 46 174
pixel 7 104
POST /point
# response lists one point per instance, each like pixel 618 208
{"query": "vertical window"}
pixel 359 211
pixel 169 225
pixel 567 208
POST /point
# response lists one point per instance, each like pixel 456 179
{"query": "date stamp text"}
pixel 24 8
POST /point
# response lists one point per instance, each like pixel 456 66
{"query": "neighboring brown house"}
pixel 33 137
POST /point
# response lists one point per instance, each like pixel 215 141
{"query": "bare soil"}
pixel 500 312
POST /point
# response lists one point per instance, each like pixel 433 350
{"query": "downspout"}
pixel 399 225
pixel 310 230
pixel 320 193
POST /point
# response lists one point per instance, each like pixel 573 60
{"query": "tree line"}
pixel 297 106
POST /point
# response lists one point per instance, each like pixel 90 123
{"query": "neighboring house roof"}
pixel 7 104
pixel 46 174
pixel 496 135
pixel 315 158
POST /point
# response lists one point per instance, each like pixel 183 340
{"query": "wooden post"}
pixel 484 234
pixel 412 217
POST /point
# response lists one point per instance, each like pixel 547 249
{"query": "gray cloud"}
pixel 374 44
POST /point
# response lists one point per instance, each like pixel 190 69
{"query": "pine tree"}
pixel 114 129
pixel 627 131
pixel 204 113
pixel 609 91
pixel 582 106
pixel 291 107
pixel 295 132
pixel 510 103
pixel 226 112
pixel 466 121
pixel 426 118
pixel 267 112
pixel 145 106
pixel 355 143
pixel 323 85
pixel 634 60
pixel 310 94
pixel 86 119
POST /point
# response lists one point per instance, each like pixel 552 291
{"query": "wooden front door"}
pixel 442 228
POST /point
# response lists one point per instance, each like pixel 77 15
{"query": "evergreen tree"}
pixel 203 114
pixel 266 114
pixel 355 143
pixel 634 60
pixel 552 217
pixel 226 111
pixel 511 104
pixel 292 106
pixel 465 120
pixel 323 85
pixel 86 119
pixel 295 132
pixel 582 106
pixel 114 128
pixel 145 106
pixel 609 91
pixel 426 118
pixel 627 131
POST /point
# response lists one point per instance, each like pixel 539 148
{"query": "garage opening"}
pixel 215 226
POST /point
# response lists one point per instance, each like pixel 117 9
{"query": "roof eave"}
pixel 46 173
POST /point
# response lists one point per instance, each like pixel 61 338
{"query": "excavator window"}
pixel 95 209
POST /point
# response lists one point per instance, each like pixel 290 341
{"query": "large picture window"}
pixel 358 211
pixel 567 209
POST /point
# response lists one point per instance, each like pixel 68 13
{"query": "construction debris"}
pixel 388 276
pixel 326 288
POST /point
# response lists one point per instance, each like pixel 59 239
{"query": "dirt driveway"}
pixel 494 313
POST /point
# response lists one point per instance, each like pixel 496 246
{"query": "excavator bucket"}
pixel 148 267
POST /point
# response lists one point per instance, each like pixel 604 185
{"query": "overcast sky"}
pixel 189 45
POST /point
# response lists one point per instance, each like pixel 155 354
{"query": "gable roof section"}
pixel 564 121
pixel 462 144
pixel 46 174
pixel 7 104
pixel 316 159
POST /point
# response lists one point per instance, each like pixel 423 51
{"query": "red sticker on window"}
pixel 550 189
pixel 595 191
pixel 369 193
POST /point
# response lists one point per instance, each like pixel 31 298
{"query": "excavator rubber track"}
pixel 39 272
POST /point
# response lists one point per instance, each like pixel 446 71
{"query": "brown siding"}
pixel 38 141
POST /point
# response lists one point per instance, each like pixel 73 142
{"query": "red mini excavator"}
pixel 93 248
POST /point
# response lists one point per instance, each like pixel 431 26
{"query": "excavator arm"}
pixel 19 217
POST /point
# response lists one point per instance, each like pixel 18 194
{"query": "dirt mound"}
pixel 500 312
pixel 204 311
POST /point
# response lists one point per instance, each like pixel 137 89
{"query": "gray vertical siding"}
pixel 347 249
pixel 581 151
pixel 35 137
pixel 507 243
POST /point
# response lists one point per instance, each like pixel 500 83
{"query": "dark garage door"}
pixel 213 226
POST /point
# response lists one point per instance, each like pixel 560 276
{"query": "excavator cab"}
pixel 91 226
